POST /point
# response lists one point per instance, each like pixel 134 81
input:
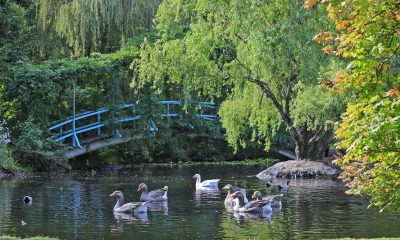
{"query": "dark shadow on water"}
pixel 242 217
pixel 123 218
pixel 158 207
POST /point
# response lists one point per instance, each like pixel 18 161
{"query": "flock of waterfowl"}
pixel 235 201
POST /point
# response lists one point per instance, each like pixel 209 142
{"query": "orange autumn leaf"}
pixel 328 49
pixel 309 4
pixel 323 37
pixel 340 26
pixel 393 91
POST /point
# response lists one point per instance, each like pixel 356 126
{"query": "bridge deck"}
pixel 90 147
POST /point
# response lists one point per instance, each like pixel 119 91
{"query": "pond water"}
pixel 78 206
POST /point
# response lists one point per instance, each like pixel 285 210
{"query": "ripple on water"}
pixel 78 207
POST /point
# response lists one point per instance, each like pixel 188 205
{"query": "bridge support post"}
pixel 152 125
pixel 98 123
pixel 75 142
pixel 116 133
pixel 60 132
pixel 167 109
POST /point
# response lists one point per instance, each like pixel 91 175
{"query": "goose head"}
pixel 142 187
pixel 257 195
pixel 117 194
pixel 197 177
pixel 120 199
pixel 227 188
pixel 165 188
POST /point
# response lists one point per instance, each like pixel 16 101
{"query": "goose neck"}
pixel 198 179
pixel 120 202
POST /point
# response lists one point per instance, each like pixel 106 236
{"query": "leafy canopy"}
pixel 368 34
pixel 76 28
pixel 256 56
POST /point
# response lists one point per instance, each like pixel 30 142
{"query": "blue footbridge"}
pixel 85 132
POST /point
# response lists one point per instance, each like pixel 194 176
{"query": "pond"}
pixel 78 206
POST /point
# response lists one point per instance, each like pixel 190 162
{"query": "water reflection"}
pixel 78 207
pixel 123 218
pixel 242 217
pixel 206 195
pixel 158 207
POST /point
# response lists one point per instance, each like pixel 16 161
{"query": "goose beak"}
pixel 112 194
pixel 194 177
pixel 254 196
pixel 233 195
pixel 138 189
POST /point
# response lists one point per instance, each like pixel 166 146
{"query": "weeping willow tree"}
pixel 79 27
pixel 258 56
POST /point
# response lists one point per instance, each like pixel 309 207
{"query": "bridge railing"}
pixel 69 129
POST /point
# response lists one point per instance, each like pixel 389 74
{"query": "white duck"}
pixel 132 207
pixel 257 206
pixel 229 200
pixel 207 184
pixel 157 195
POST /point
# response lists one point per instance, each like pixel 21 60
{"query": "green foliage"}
pixel 7 162
pixel 320 110
pixel 368 35
pixel 16 41
pixel 82 27
pixel 33 138
pixel 370 132
pixel 99 82
pixel 205 49
pixel 246 116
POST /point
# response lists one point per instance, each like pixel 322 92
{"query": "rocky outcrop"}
pixel 299 168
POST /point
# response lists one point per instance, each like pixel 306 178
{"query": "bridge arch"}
pixel 73 128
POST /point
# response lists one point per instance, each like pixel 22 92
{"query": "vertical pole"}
pixel 98 123
pixel 134 114
pixel 74 115
pixel 201 110
pixel 168 109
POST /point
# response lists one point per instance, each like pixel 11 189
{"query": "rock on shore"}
pixel 299 168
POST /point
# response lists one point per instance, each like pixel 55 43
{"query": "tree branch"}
pixel 288 95
pixel 316 135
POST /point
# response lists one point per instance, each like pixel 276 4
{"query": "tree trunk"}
pixel 312 145
pixel 312 151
